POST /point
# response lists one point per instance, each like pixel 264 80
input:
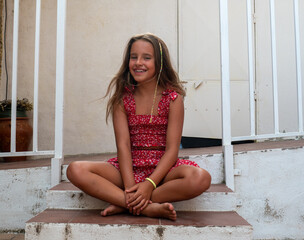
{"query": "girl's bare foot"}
pixel 163 210
pixel 111 210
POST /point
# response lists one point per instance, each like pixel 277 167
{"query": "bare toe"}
pixel 170 211
pixel 111 210
pixel 164 210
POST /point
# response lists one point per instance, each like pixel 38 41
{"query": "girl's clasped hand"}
pixel 138 197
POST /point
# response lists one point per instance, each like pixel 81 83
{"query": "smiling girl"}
pixel 146 105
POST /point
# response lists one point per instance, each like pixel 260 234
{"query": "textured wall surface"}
pixel 271 191
pixel 22 195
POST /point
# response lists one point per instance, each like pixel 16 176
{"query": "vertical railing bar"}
pixel 14 76
pixel 225 72
pixel 180 40
pixel 60 60
pixel 274 67
pixel 250 69
pixel 225 76
pixel 60 57
pixel 36 76
pixel 178 33
pixel 298 64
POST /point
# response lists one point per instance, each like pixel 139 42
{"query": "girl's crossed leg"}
pixel 182 183
pixel 103 181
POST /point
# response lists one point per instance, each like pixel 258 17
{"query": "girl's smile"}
pixel 142 61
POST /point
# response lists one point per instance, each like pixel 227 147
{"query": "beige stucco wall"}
pixel 96 34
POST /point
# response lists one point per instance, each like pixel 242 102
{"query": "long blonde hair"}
pixel 168 78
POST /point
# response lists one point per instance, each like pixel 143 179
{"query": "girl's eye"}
pixel 133 57
pixel 147 58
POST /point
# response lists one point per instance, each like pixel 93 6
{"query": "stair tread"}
pixel 182 153
pixel 185 218
pixel 68 186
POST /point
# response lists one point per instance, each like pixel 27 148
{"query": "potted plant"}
pixel 23 128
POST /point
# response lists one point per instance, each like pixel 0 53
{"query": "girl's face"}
pixel 142 61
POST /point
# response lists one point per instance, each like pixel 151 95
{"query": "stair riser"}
pixel 212 163
pixel 71 231
pixel 209 201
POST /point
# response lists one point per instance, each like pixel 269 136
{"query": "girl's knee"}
pixel 74 170
pixel 200 180
pixel 205 180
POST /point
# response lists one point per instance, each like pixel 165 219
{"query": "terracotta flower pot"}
pixel 24 135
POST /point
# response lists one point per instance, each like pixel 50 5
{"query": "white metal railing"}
pixel 58 149
pixel 250 67
pixel 14 76
pixel 225 75
pixel 274 68
pixel 276 134
pixel 226 124
pixel 298 64
pixel 36 76
pixel 60 60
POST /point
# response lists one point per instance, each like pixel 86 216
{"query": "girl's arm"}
pixel 174 132
pixel 122 137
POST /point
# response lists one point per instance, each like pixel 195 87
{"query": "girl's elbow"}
pixel 172 152
pixel 172 149
pixel 122 147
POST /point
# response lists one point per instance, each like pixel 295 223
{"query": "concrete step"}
pixel 213 163
pixel 66 196
pixel 88 224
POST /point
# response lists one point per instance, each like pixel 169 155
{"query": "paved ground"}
pixel 10 236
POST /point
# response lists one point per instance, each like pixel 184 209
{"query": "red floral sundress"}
pixel 144 134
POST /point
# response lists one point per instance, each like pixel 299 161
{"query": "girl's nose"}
pixel 139 61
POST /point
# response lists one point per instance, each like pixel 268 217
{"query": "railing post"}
pixel 225 75
pixel 274 67
pixel 251 69
pixel 36 76
pixel 14 76
pixel 60 60
pixel 298 64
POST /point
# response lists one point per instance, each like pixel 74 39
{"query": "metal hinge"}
pixel 254 18
pixel 255 94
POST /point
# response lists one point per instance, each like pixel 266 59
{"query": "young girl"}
pixel 147 110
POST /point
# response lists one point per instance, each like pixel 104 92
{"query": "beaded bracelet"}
pixel 151 181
